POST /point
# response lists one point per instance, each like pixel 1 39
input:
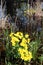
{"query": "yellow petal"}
pixel 11 34
pixel 26 36
pixel 28 40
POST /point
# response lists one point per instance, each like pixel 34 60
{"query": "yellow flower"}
pixel 11 34
pixel 30 56
pixel 13 42
pixel 22 51
pixel 26 36
pixel 23 43
pixel 15 39
pixel 28 40
pixel 19 35
pixel 24 40
pixel 25 55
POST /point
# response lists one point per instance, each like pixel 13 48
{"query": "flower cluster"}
pixel 22 41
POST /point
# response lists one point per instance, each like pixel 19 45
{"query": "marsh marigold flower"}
pixel 26 35
pixel 25 55
pixel 23 43
pixel 11 34
pixel 28 40
pixel 14 40
pixel 19 35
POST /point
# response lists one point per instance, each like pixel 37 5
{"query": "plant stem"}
pixel 41 62
pixel 26 63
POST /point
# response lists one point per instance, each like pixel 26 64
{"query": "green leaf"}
pixel 34 45
pixel 41 57
pixel 9 63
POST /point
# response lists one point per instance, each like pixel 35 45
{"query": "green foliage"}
pixel 34 48
pixel 35 44
pixel 12 51
pixel 41 57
